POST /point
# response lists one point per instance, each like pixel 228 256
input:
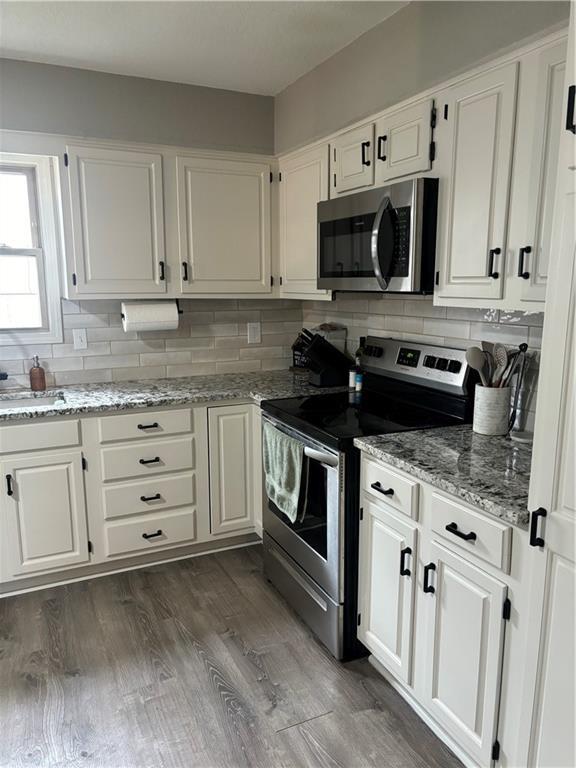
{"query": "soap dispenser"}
pixel 37 376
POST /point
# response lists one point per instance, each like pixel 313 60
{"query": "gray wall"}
pixel 420 46
pixel 78 102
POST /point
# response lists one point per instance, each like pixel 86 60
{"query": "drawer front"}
pixel 39 435
pixel 138 497
pixel 144 459
pixel 471 531
pixel 394 490
pixel 166 529
pixel 136 426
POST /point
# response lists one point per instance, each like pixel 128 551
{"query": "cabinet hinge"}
pixel 437 279
pixel 507 609
pixel 496 750
pixel 359 619
pixel 66 159
pixel 433 117
pixel 74 281
pixel 445 111
pixel 361 513
pixel 432 151
pixel 84 463
pixel 90 547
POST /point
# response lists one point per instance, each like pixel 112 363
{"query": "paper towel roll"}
pixel 149 315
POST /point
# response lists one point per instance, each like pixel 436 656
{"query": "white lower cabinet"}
pixel 465 630
pixel 387 572
pixel 43 514
pixel 233 492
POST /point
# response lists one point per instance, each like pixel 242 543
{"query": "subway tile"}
pixel 231 342
pixel 535 319
pixel 108 334
pixel 535 338
pixel 65 378
pixel 473 314
pixel 283 315
pixel 244 366
pixel 101 307
pixel 404 324
pixel 70 307
pixel 238 316
pixel 386 307
pixel 506 334
pixel 423 309
pixel 261 353
pixel 14 366
pixel 197 318
pixel 215 329
pixel 111 361
pixel 64 364
pixel 191 343
pixel 138 373
pixel 86 321
pixel 190 369
pixel 93 348
pixel 165 358
pixel 142 345
pixel 213 355
pixel 17 352
pixel 454 328
pixel 276 364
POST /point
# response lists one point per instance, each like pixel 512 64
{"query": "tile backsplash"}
pixel 211 338
pixel 415 318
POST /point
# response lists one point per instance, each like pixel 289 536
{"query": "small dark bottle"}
pixel 37 376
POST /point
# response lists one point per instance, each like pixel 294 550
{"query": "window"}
pixel 29 284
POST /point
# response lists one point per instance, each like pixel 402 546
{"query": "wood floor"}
pixel 194 664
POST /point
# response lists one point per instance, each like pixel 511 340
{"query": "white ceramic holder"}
pixel 491 410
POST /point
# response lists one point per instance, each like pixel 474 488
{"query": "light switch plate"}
pixel 80 338
pixel 254 333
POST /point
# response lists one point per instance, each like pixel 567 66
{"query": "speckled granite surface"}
pixel 95 398
pixel 491 473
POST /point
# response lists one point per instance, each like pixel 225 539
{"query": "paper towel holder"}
pixel 180 311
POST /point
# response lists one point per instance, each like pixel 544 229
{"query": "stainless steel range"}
pixel 313 561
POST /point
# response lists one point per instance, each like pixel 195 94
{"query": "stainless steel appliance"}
pixel 313 561
pixel 380 240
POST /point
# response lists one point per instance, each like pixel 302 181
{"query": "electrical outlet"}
pixel 254 333
pixel 80 338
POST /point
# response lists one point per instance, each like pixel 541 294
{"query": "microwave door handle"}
pixel 383 280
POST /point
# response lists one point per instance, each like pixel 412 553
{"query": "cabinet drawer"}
pixel 385 485
pixel 137 497
pixel 487 539
pixel 39 435
pixel 150 458
pixel 136 426
pixel 159 531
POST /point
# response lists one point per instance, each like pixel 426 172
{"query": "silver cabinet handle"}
pixel 323 458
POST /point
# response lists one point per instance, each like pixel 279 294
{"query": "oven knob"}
pixel 441 364
pixel 454 366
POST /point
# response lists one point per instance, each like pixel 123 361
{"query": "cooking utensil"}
pixel 522 370
pixel 501 359
pixel 477 361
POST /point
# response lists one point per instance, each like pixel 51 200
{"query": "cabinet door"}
pixel 117 221
pixel 550 672
pixel 353 160
pixel 465 632
pixel 540 113
pixel 231 451
pixel 304 182
pixel 476 129
pixel 224 226
pixel 387 569
pixel 403 142
pixel 43 517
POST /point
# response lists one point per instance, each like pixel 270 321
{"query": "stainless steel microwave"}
pixel 380 240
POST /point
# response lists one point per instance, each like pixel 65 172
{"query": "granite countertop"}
pixel 491 473
pixel 94 398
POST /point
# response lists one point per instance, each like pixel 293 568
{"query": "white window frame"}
pixel 48 249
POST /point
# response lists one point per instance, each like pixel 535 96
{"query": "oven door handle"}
pixel 382 279
pixel 324 458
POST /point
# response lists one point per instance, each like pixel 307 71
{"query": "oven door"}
pixel 315 539
pixel 370 241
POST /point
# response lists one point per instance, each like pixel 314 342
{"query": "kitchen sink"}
pixel 29 402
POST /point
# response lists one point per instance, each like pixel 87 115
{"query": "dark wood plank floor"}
pixel 194 664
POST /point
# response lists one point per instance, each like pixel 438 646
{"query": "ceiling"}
pixel 257 47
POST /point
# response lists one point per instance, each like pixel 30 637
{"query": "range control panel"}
pixel 442 368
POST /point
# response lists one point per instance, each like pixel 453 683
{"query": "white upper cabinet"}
pixel 386 578
pixel 304 183
pixel 117 218
pixel 540 113
pixel 223 226
pixel 465 632
pixel 403 142
pixel 476 130
pixel 352 161
pixel 43 516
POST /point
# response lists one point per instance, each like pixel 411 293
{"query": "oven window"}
pixel 311 522
pixel 345 247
